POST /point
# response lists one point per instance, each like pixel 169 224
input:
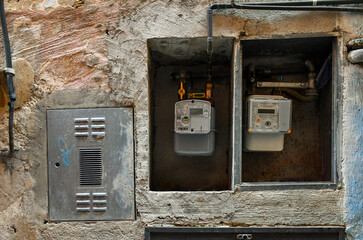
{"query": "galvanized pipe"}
pixel 277 6
pixel 298 8
pixel 304 3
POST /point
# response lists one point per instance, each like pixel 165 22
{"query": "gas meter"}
pixel 269 118
pixel 194 123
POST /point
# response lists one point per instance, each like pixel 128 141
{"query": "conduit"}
pixel 9 71
pixel 304 2
pixel 313 5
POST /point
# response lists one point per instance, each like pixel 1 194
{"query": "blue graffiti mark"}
pixel 65 152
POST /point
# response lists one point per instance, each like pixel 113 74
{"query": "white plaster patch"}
pixel 49 3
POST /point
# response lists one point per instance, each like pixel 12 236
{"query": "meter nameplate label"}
pixel 192 117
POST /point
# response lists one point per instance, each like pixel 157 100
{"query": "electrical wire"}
pixel 9 76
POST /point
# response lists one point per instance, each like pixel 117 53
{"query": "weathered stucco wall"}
pixel 95 55
pixel 352 132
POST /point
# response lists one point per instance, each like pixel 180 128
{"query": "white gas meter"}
pixel 194 123
pixel 269 118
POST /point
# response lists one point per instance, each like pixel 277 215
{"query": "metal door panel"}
pixel 90 164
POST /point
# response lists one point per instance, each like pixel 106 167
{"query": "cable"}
pixel 11 131
pixel 9 74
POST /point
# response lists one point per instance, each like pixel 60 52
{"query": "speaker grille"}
pixel 90 167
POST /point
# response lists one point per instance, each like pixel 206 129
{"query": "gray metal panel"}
pixel 337 106
pixel 110 131
pixel 284 115
pixel 237 110
pixel 285 186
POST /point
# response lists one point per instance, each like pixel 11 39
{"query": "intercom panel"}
pixel 90 164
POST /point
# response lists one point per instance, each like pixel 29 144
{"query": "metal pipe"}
pixel 214 6
pixel 298 96
pixel 304 3
pixel 272 6
pixel 288 6
pixel 312 74
pixel 9 76
pixel 310 66
pixel 298 8
pixel 209 53
pixel 277 6
pixel 210 31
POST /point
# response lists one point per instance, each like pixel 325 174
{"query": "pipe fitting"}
pixel 312 76
pixel 309 64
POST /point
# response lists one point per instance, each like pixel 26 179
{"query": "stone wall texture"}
pixel 93 53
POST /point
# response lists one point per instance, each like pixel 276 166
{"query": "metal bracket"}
pixel 282 84
pixel 244 236
pixel 9 71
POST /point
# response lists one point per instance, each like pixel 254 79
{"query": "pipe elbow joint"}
pixel 309 64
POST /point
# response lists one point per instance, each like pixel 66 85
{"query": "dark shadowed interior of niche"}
pixel 167 58
pixel 307 153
